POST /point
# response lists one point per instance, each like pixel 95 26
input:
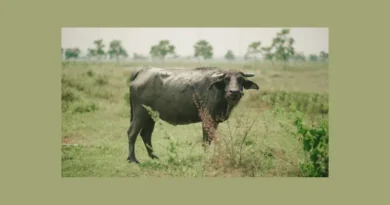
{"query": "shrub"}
pixel 69 82
pixel 234 151
pixel 90 73
pixel 67 95
pixel 310 103
pixel 315 145
pixel 102 80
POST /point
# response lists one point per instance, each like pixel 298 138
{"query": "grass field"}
pixel 260 138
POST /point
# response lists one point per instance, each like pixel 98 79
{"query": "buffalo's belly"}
pixel 179 119
pixel 178 114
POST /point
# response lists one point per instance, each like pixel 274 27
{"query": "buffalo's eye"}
pixel 227 79
pixel 240 79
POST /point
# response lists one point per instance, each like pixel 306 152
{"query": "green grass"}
pixel 260 139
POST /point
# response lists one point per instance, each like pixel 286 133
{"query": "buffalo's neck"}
pixel 222 111
pixel 219 108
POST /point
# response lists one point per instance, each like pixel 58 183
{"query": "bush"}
pixel 102 80
pixel 315 145
pixel 310 103
pixel 67 95
pixel 90 73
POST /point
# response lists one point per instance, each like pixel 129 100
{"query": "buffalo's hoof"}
pixel 153 156
pixel 132 160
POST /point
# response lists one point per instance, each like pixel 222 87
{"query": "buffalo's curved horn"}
pixel 249 75
pixel 164 73
pixel 217 75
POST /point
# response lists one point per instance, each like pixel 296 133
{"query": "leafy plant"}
pixel 315 142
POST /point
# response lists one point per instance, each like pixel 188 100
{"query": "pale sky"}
pixel 139 40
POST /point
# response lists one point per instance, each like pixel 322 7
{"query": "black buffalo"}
pixel 171 93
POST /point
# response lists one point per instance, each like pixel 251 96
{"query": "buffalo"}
pixel 173 93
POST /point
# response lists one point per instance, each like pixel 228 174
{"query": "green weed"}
pixel 315 142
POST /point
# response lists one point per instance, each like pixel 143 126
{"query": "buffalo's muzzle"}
pixel 234 94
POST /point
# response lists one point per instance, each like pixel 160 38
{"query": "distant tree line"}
pixel 280 50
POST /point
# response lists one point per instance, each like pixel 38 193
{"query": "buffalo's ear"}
pixel 220 84
pixel 250 85
pixel 218 81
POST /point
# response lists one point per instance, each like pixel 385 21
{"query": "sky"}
pixel 139 40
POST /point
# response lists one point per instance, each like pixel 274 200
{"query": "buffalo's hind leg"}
pixel 132 134
pixel 146 134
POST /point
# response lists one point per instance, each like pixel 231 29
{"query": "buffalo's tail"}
pixel 133 76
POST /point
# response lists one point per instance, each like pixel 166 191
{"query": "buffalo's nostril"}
pixel 234 92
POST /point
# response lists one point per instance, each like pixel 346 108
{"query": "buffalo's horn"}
pixel 217 75
pixel 249 75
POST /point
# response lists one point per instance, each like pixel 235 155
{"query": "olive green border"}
pixel 31 121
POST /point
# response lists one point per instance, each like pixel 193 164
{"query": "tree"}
pixel 324 56
pixel 203 49
pixel 283 45
pixel 175 56
pixel 99 48
pixel 298 57
pixel 137 56
pixel 246 57
pixel 162 49
pixel 116 50
pixel 229 55
pixel 313 57
pixel 154 51
pixel 91 53
pixel 268 55
pixel 253 50
pixel 72 53
pixel 98 51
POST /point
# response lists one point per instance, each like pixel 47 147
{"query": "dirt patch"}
pixel 71 139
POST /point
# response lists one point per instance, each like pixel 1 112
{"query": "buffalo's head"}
pixel 233 83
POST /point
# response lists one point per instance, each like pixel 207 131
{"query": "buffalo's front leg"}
pixel 146 135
